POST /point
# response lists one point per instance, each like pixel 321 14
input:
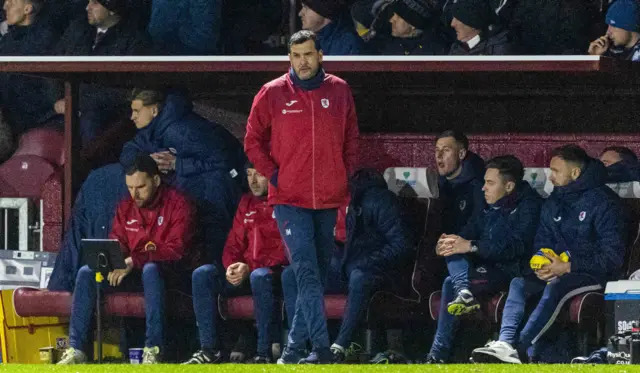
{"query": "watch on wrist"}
pixel 474 247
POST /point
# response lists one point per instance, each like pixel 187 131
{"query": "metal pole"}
pixel 99 279
pixel 71 146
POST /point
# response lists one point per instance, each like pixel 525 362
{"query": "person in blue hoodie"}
pixel 621 163
pixel 460 183
pixel 376 253
pixel 335 30
pixel 199 157
pixel 582 218
pixel 492 249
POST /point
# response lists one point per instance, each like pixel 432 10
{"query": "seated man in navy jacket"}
pixel 198 157
pixel 583 219
pixel 460 183
pixel 491 249
pixel 375 253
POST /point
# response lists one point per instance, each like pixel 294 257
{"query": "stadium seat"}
pixel 45 143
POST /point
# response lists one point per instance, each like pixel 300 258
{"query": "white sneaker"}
pixel 151 355
pixel 72 356
pixel 496 352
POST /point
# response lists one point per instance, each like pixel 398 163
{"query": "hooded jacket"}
pixel 495 45
pixel 504 231
pixel 93 213
pixel 462 196
pixel 377 238
pixel 339 39
pixel 209 164
pixel 586 219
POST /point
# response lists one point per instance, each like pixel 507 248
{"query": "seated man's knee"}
pixel 150 269
pixel 204 274
pixel 517 284
pixel 260 275
pixel 359 280
pixel 85 273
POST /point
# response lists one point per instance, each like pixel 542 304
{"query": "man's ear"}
pixel 462 154
pixel 157 180
pixel 575 173
pixel 511 186
pixel 154 111
pixel 28 9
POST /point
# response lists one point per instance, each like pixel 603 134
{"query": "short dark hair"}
pixel 572 153
pixel 627 155
pixel 149 96
pixel 303 36
pixel 37 6
pixel 143 163
pixel 509 166
pixel 460 137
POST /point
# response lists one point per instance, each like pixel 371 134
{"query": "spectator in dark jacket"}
pixel 552 27
pixel 621 163
pixel 336 33
pixel 582 218
pixel 25 99
pixel 472 20
pixel 490 251
pixel 202 158
pixel 106 32
pixel 185 27
pixel 414 30
pixel 623 35
pixel 375 253
pixel 460 182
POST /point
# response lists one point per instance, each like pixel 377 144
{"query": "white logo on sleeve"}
pixel 557 219
pixel 463 205
pixel 291 103
pixel 582 215
pixel 131 221
pixel 250 213
pixel 287 232
pixel 325 102
pixel 160 220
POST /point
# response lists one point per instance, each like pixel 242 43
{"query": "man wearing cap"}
pixel 622 39
pixel 476 31
pixel 335 31
pixel 110 30
pixel 414 29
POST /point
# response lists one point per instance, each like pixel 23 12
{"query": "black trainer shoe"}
pixel 205 357
pixel 320 356
pixel 339 354
pixel 432 360
pixel 260 360
pixel 290 356
pixel 389 357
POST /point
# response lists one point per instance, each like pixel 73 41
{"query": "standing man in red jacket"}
pixel 155 228
pixel 302 133
pixel 254 252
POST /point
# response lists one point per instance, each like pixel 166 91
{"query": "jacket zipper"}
pixel 255 243
pixel 313 153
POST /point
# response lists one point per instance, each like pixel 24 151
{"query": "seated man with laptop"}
pixel 155 231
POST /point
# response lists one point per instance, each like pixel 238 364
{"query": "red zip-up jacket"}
pixel 310 137
pixel 254 238
pixel 168 222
